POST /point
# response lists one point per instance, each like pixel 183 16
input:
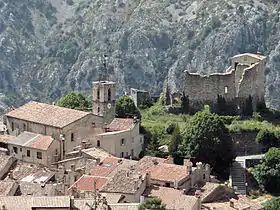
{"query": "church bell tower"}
pixel 103 100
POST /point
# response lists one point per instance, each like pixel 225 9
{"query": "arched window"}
pixel 109 94
pixel 98 143
pixel 98 94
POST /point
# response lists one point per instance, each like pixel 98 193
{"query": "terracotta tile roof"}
pixel 46 114
pixel 27 202
pixel 106 167
pixel 32 140
pixel 36 189
pixel 86 183
pixel 6 138
pixel 124 181
pixel 32 173
pixel 160 170
pixel 120 124
pixel 4 161
pixel 6 187
pixel 173 198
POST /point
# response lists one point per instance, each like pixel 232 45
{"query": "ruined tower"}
pixel 103 100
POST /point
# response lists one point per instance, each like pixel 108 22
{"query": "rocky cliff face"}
pixel 48 47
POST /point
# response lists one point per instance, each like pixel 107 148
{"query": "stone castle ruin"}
pixel 243 81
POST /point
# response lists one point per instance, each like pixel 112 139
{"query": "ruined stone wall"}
pixel 205 89
pixel 252 83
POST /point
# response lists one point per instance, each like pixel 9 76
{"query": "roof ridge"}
pixel 30 140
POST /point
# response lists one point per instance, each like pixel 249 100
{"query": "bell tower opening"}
pixel 109 94
pixel 103 100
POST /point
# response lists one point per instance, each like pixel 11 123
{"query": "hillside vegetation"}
pixel 50 47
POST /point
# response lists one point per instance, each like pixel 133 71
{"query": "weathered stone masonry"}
pixel 245 77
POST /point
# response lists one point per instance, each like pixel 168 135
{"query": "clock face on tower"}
pixel 109 106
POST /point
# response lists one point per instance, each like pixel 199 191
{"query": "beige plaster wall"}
pixel 111 142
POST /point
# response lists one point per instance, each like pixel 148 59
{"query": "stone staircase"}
pixel 238 176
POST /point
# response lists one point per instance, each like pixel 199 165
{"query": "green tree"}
pixel 185 104
pixel 268 139
pixel 272 204
pixel 176 140
pixel 74 101
pixel 206 139
pixel 221 105
pixel 152 204
pixel 125 107
pixel 267 173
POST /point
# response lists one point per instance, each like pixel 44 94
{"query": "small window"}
pixel 20 149
pixel 13 126
pixel 122 154
pixel 122 142
pixel 56 151
pixel 98 94
pixel 75 178
pixel 15 149
pixel 72 136
pixel 226 89
pixel 39 155
pixel 203 176
pixel 28 153
pixel 167 184
pixel 24 127
pixel 98 143
pixel 98 110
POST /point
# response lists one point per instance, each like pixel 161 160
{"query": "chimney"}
pixel 176 184
pixel 188 164
pixel 97 161
pixel 72 200
pixel 170 159
pixel 231 203
pixel 148 179
pixel 73 167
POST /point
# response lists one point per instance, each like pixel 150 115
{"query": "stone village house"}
pixel 35 148
pixel 100 128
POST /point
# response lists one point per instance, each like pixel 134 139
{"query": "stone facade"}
pixel 139 97
pixel 103 100
pixel 243 79
pixel 70 136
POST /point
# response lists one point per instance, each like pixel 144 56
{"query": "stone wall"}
pixel 244 78
pixel 206 88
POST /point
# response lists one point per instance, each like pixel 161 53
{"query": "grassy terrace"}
pixel 157 121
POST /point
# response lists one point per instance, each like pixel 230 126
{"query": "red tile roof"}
pixel 120 124
pixel 47 114
pixel 160 170
pixel 86 183
pixel 106 167
pixel 32 140
pixel 40 142
pixel 173 198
